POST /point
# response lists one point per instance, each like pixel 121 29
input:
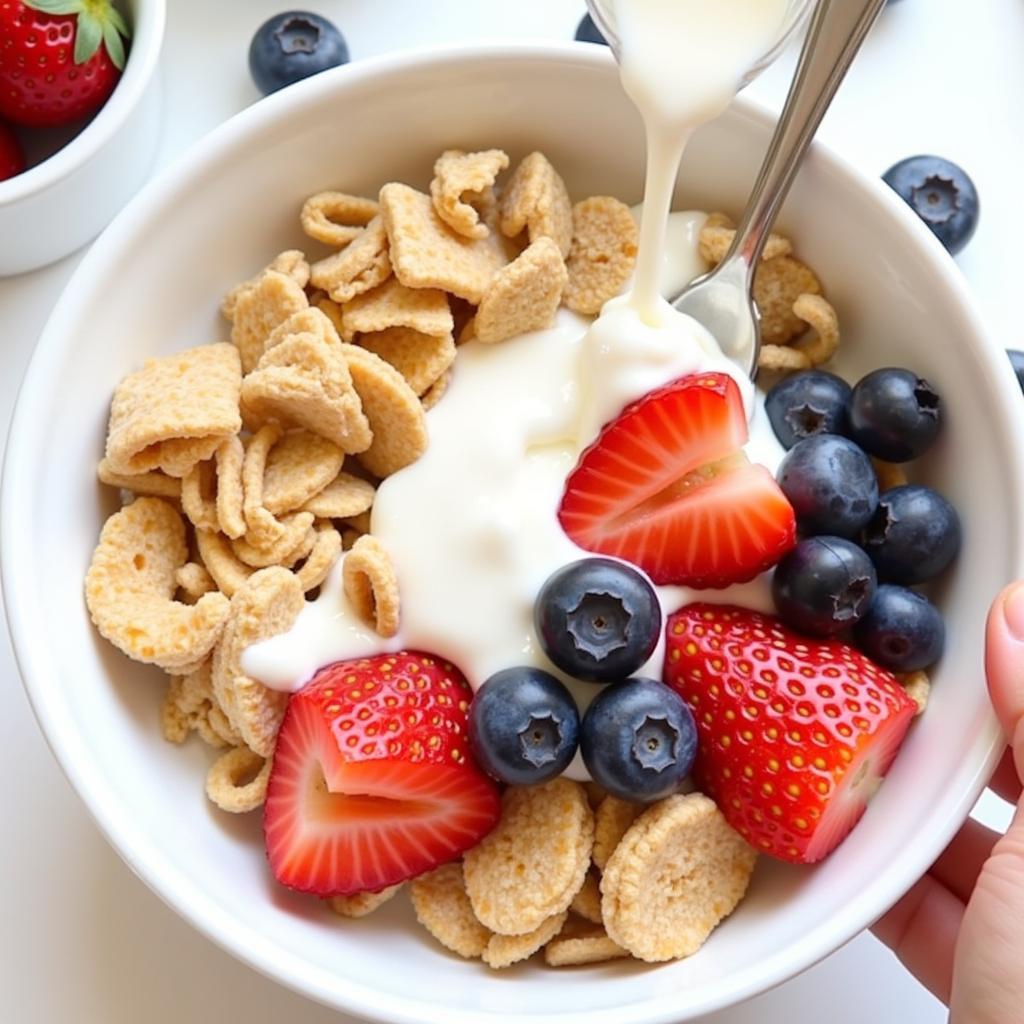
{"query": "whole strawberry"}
pixel 373 782
pixel 59 59
pixel 12 159
pixel 795 734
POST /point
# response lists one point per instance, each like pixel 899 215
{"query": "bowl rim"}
pixel 157 870
pixel 150 17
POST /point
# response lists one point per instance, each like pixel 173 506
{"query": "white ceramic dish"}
pixel 57 206
pixel 152 284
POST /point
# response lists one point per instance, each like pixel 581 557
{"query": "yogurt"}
pixel 472 526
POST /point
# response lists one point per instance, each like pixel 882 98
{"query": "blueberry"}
pixel 588 32
pixel 523 726
pixel 823 586
pixel 941 194
pixel 598 619
pixel 805 404
pixel 293 46
pixel 1017 362
pixel 894 415
pixel 902 630
pixel 913 536
pixel 831 485
pixel 638 740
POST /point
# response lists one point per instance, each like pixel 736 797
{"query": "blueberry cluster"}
pixel 598 621
pixel 861 549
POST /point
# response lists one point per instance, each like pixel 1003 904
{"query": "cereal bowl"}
pixel 152 285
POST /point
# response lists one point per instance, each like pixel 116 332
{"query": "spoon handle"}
pixel 837 30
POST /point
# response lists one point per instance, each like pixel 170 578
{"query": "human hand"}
pixel 960 930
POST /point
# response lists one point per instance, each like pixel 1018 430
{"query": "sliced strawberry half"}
pixel 666 487
pixel 372 781
pixel 795 734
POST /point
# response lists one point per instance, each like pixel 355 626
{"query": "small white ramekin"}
pixel 60 204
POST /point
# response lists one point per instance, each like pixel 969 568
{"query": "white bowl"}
pixel 152 284
pixel 57 206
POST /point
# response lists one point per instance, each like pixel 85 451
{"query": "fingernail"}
pixel 1013 611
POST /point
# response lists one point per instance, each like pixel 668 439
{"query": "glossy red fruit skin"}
pixel 665 487
pixel 40 84
pixel 12 159
pixel 386 728
pixel 784 722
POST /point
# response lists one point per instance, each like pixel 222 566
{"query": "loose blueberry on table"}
pixel 941 193
pixel 289 47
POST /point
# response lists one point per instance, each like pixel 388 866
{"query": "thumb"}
pixel 988 985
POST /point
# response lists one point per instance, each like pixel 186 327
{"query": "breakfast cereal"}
pixel 261 308
pixel 677 872
pixel 592 946
pixel 524 295
pixel 230 458
pixel 363 264
pixel 346 495
pixel 266 604
pixel 463 184
pixel 370 585
pixel 304 381
pixel 130 587
pixel 443 908
pixel 237 780
pixel 426 253
pixel 533 864
pixel 612 820
pixel 298 467
pixel 336 218
pixel 506 950
pixel 536 199
pixel 153 484
pixel 422 359
pixel 587 902
pixel 321 558
pixel 361 904
pixel 603 253
pixel 175 411
pixel 392 304
pixel 395 416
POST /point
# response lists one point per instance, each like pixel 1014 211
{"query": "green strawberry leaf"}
pixel 88 36
pixel 55 6
pixel 115 48
pixel 97 21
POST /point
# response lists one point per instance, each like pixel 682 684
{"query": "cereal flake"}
pixel 443 908
pixel 130 585
pixel 524 295
pixel 603 253
pixel 536 199
pixel 534 862
pixel 336 218
pixel 463 182
pixel 175 411
pixel 678 871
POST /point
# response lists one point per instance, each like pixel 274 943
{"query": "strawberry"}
pixel 795 734
pixel 666 487
pixel 12 159
pixel 372 782
pixel 59 59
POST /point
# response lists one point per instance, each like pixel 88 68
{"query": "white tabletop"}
pixel 81 939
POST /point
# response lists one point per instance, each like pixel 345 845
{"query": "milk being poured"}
pixel 472 526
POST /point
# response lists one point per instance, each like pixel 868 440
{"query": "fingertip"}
pixel 1004 660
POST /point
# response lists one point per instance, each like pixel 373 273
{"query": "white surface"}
pixel 82 186
pixel 81 939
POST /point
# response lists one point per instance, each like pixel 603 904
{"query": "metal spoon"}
pixel 722 300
